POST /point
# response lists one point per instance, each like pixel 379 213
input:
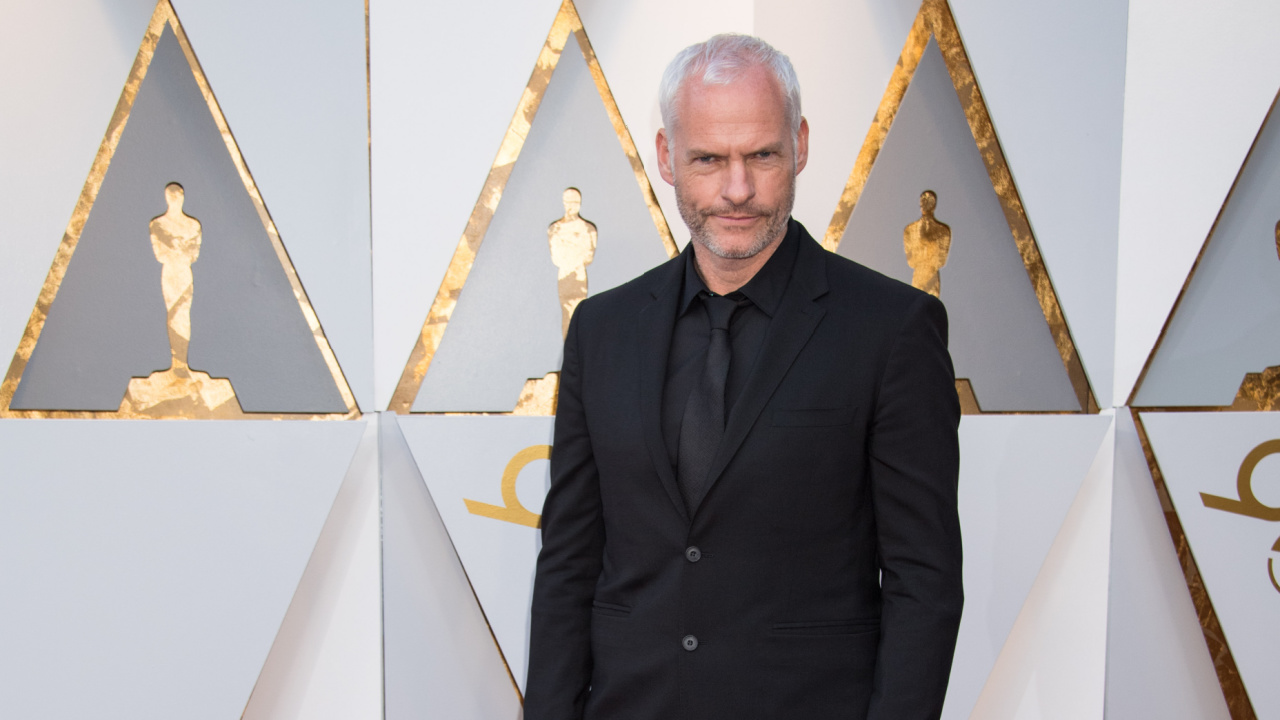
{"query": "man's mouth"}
pixel 736 219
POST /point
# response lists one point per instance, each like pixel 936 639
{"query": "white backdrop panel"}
pixel 1198 82
pixel 148 564
pixel 1054 663
pixel 1203 453
pixel 463 458
pixel 1157 663
pixel 1018 477
pixel 440 656
pixel 326 661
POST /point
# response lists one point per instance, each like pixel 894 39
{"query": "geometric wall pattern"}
pixel 1217 352
pixel 380 568
pixel 1224 330
pixel 931 202
pixel 517 271
pixel 206 320
pixel 1207 463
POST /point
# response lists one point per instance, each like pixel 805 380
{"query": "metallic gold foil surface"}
pixel 155 398
pixel 573 246
pixel 539 395
pixel 566 22
pixel 935 20
pixel 180 394
pixel 968 400
pixel 1259 391
pixel 1224 663
pixel 927 242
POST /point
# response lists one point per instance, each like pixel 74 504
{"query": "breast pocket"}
pixel 813 417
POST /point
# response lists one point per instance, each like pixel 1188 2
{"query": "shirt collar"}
pixel 764 290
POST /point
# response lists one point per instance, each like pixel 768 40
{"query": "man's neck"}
pixel 725 275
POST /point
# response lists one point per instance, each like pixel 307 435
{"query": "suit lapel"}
pixel 657 320
pixel 797 317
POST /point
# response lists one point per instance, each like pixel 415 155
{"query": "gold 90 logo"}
pixel 1247 503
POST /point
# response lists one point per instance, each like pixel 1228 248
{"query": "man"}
pixel 802 558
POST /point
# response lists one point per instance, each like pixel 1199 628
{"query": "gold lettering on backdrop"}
pixel 573 247
pixel 1271 570
pixel 512 510
pixel 1248 504
pixel 178 390
pixel 927 243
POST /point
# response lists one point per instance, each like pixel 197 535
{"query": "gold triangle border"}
pixel 567 21
pixel 936 20
pixel 163 15
pixel 1182 293
pixel 1239 705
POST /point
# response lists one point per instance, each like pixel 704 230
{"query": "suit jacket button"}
pixel 689 643
pixel 692 553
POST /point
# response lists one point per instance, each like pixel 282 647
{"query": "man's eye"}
pixel 766 154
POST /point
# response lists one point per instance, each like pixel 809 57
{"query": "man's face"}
pixel 733 161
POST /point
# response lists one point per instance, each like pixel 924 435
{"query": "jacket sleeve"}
pixel 570 562
pixel 915 465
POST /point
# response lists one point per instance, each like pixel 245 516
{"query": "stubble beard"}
pixel 773 228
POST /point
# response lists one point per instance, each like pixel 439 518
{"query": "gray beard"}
pixel 774 227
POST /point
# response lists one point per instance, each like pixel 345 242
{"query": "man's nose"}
pixel 739 186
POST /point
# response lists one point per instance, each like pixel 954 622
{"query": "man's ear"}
pixel 802 145
pixel 663 143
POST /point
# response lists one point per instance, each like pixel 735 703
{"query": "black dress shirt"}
pixel 758 302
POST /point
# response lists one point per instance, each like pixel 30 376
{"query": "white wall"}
pixel 1124 125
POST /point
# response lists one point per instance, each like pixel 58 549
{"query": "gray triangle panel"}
pixel 999 339
pixel 107 323
pixel 505 328
pixel 1228 320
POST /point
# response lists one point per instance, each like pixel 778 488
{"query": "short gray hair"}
pixel 721 60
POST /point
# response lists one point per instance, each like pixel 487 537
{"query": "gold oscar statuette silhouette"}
pixel 178 391
pixel 927 243
pixel 573 246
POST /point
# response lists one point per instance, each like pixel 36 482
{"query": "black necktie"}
pixel 704 414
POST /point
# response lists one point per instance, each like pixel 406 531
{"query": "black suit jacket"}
pixel 826 579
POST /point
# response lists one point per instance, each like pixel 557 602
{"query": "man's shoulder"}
pixel 632 295
pixel 855 277
pixel 861 288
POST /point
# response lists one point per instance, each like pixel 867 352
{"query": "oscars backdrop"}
pixel 285 286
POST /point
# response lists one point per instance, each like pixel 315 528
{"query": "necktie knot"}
pixel 720 310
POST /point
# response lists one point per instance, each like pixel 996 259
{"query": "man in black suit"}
pixel 752 510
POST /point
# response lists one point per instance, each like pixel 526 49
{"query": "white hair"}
pixel 721 60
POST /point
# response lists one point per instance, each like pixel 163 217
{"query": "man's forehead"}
pixel 756 80
pixel 745 104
